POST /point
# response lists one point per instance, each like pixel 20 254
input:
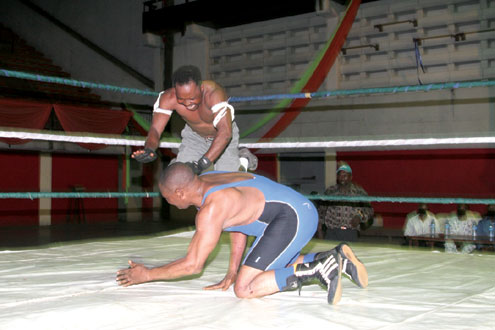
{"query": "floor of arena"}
pixel 71 285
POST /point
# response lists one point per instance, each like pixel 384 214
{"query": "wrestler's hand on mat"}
pixel 224 284
pixel 145 155
pixel 135 274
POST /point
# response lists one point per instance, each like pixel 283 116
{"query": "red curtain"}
pixel 92 120
pixel 20 172
pixel 23 114
pixel 93 173
pixel 430 173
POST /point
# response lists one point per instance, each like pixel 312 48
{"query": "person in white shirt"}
pixel 461 222
pixel 418 222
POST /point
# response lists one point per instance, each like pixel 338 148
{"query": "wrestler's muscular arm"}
pixel 208 231
pixel 160 120
pixel 224 126
pixel 158 123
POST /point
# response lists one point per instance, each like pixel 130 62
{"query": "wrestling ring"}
pixel 72 285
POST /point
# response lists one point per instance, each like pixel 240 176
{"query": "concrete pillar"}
pixel 193 48
pixel 330 167
pixel 157 201
pixel 45 204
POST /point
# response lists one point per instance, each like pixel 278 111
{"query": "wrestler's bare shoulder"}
pixel 210 85
pixel 168 99
pixel 235 206
pixel 212 89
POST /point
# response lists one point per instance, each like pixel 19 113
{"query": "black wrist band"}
pixel 204 163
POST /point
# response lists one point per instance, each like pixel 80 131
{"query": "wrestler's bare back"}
pixel 236 206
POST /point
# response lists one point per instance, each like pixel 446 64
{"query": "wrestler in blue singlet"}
pixel 288 222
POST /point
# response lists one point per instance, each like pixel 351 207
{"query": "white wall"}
pixel 268 57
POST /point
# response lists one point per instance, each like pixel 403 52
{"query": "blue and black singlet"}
pixel 287 224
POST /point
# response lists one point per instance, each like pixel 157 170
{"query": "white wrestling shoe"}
pixel 248 160
pixel 327 270
pixel 351 265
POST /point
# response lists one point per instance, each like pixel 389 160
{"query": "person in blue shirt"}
pixel 483 230
pixel 244 204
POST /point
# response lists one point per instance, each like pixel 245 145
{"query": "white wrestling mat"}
pixel 72 286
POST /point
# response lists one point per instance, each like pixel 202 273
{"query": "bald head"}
pixel 176 176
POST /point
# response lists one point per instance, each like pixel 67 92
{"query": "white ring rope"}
pixel 374 143
pixel 117 140
pixel 107 139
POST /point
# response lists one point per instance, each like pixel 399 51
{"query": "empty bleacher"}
pixel 17 55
